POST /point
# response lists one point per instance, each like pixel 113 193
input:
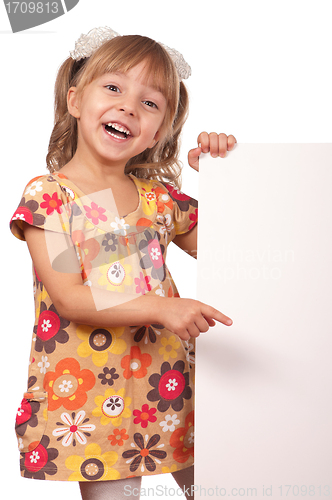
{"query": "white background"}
pixel 261 70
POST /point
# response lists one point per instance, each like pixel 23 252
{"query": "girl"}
pixel 110 389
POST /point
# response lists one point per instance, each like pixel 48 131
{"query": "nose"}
pixel 128 106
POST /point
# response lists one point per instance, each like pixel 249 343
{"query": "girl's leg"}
pixel 120 489
pixel 185 480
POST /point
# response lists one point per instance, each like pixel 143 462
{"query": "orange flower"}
pixel 67 386
pixel 182 440
pixel 118 437
pixel 135 363
pixel 163 199
pixel 89 250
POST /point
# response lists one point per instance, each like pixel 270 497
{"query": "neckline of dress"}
pixel 80 194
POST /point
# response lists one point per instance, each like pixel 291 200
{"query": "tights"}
pixel 124 489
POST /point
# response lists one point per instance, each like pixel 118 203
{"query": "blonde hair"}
pixel 121 54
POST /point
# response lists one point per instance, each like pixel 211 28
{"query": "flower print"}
pixel 89 249
pixel 147 332
pixel 155 252
pixel 172 384
pixel 148 200
pixel 94 466
pixel 127 240
pixel 31 382
pixel 190 352
pixel 145 416
pixel 95 213
pixel 182 440
pixel 37 462
pixel 172 468
pixel 68 385
pixel 181 199
pixel 99 343
pixel 193 217
pixel 150 196
pixel 112 407
pixel 69 193
pixel 26 416
pixel 38 283
pixel 43 364
pixel 135 364
pixel 160 291
pixel 110 242
pixel 165 223
pixel 51 203
pixel 115 274
pixel 136 456
pixel 120 226
pixel 170 346
pixel 76 429
pixel 65 386
pixel 142 224
pixel 153 257
pixel 50 329
pixel 26 212
pixel 142 284
pixel 170 387
pixel 163 199
pixel 169 423
pixel 34 187
pixel 108 376
pixel 118 437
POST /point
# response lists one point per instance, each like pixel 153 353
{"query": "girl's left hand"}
pixel 216 144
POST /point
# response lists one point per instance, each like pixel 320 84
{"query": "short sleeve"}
pixel 44 204
pixel 184 210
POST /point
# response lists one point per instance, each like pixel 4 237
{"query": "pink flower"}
pixel 142 284
pixel 95 213
pixel 51 203
pixel 145 416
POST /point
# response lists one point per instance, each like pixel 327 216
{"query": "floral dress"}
pixel 107 403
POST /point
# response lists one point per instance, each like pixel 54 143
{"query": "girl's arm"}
pixel 93 306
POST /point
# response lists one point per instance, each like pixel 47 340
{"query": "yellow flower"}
pixel 170 345
pixel 95 466
pixel 173 468
pixel 115 274
pixel 149 198
pixel 99 342
pixel 112 407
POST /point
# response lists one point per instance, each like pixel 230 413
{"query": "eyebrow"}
pixel 154 87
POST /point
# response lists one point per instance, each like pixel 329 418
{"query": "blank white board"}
pixel 264 385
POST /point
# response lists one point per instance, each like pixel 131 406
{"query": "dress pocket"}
pixel 31 420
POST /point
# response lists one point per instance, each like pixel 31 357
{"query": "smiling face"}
pixel 119 115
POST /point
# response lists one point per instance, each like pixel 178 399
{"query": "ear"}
pixel 73 102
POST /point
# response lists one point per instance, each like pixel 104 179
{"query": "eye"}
pixel 113 88
pixel 150 104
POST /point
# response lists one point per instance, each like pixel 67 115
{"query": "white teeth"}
pixel 120 128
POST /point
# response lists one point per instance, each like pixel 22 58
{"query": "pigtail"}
pixel 63 140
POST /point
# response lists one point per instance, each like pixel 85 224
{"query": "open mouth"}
pixel 117 131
